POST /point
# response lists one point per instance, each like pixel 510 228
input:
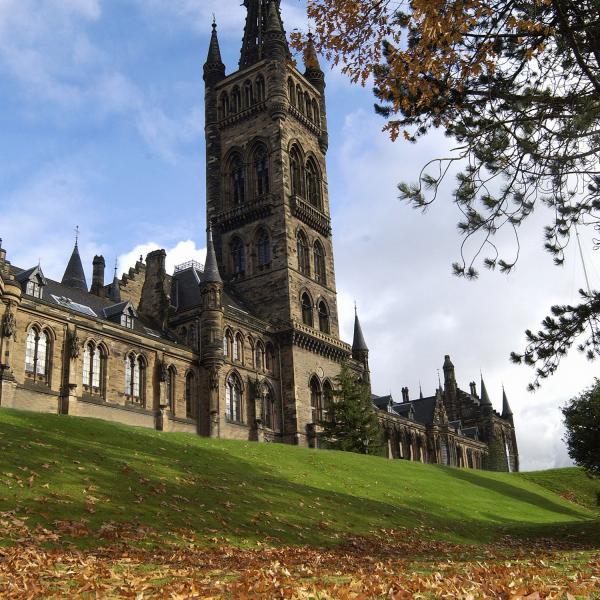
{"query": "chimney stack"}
pixel 473 387
pixel 98 266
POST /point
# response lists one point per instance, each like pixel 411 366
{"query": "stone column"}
pixel 213 392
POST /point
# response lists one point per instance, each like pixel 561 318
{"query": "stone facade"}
pixel 246 346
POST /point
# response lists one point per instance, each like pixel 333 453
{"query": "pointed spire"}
pixel 74 274
pixel 506 411
pixel 214 69
pixel 420 391
pixel 358 343
pixel 311 58
pixel 211 268
pixel 115 289
pixel 264 35
pixel 485 399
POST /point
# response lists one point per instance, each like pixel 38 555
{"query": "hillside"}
pixel 80 479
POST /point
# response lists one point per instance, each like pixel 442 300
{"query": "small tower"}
pixel 450 389
pixel 507 413
pixel 211 327
pixel 98 266
pixel 315 75
pixel 485 402
pixel 74 274
pixel 360 351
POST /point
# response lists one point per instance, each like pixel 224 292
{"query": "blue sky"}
pixel 101 126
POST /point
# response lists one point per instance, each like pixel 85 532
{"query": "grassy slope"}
pixel 55 468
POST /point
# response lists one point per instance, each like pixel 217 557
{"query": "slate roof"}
pixel 74 276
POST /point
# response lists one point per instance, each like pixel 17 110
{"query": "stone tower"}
pixel 267 199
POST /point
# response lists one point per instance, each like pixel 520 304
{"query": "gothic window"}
pixel 224 106
pixel 327 400
pixel 269 358
pixel 263 247
pixel 260 88
pixel 315 111
pixel 313 184
pixel 170 385
pixel 236 100
pixel 183 335
pixel 228 344
pixel 261 171
pixel 307 310
pixel 323 317
pixel 300 99
pixel 238 256
pixel 237 180
pixel 307 106
pixel 248 94
pixel 259 363
pixel 269 413
pixel 192 337
pixel 238 347
pixel 291 92
pixel 38 350
pixel 319 263
pixel 189 395
pixel 135 378
pixel 94 369
pixel 296 171
pixel 233 399
pixel 303 256
pixel 316 400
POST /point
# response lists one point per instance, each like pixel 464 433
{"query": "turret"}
pixel 115 288
pixel 360 351
pixel 315 75
pixel 485 402
pixel 214 69
pixel 449 376
pixel 155 300
pixel 275 41
pixel 98 266
pixel 507 413
pixel 74 274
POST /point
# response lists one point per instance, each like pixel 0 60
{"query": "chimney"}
pixel 98 265
pixel 473 387
pixel 405 394
pixel 154 303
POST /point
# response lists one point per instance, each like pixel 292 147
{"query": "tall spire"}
pixel 358 343
pixel 214 69
pixel 485 399
pixel 115 289
pixel 211 268
pixel 74 274
pixel 263 21
pixel 506 411
pixel 311 58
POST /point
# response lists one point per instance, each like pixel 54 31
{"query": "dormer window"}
pixel 32 282
pixel 127 320
pixel 34 289
pixel 122 313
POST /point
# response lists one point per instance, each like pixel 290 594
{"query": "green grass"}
pixel 56 468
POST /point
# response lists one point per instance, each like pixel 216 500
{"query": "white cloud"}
pixel 182 252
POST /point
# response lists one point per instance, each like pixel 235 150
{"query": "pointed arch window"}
pixel 135 379
pixel 224 106
pixel 248 94
pixel 307 310
pixel 261 171
pixel 313 184
pixel 190 382
pixel 233 399
pixel 300 99
pixel 94 369
pixel 327 400
pixel 238 347
pixel 259 356
pixel 303 256
pixel 38 350
pixel 269 413
pixel 319 263
pixel 315 111
pixel 170 388
pixel 269 358
pixel 308 106
pixel 228 344
pixel 237 180
pixel 238 256
pixel 260 88
pixel 323 317
pixel 296 171
pixel 316 400
pixel 263 247
pixel 236 100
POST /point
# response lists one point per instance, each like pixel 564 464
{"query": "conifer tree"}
pixel 352 423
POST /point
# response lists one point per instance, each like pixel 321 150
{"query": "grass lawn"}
pixel 83 487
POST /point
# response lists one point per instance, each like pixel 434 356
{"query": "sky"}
pixel 101 127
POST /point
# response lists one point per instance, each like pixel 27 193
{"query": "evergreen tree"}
pixel 582 422
pixel 352 423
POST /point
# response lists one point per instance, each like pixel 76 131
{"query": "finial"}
pixel 115 267
pixel 214 23
pixel 141 258
pixel 355 308
pixel 439 379
pixel 76 235
pixel 0 243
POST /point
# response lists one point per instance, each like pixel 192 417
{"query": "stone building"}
pixel 246 346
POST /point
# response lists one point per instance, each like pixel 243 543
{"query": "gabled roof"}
pixel 29 274
pixel 118 309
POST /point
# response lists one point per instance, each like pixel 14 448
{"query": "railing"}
pixel 311 215
pixel 188 265
pixel 245 213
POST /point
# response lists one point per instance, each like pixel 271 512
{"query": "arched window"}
pixel 269 357
pixel 238 347
pixel 316 400
pixel 233 399
pixel 189 395
pixel 248 94
pixel 269 413
pixel 307 106
pixel 263 248
pixel 183 335
pixel 224 106
pixel 291 92
pixel 192 338
pixel 259 356
pixel 307 310
pixel 237 180
pixel 327 400
pixel 315 111
pixel 228 344
pixel 236 100
pixel 38 350
pixel 260 88
pixel 323 317
pixel 319 263
pixel 303 257
pixel 261 171
pixel 238 256
pixel 300 99
pixel 135 378
pixel 313 184
pixel 94 369
pixel 296 171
